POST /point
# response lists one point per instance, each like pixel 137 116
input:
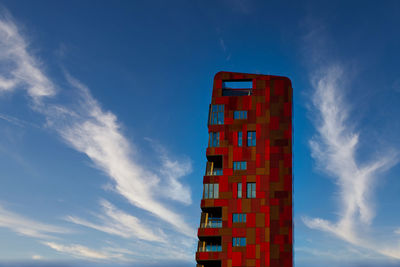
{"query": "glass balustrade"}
pixel 210 248
pixel 212 223
pixel 214 171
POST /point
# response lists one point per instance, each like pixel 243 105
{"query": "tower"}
pixel 246 217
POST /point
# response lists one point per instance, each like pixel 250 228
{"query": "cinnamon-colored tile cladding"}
pixel 268 226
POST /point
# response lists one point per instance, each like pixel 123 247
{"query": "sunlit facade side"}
pixel 246 217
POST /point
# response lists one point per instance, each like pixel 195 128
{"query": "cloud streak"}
pixel 28 227
pixel 334 149
pixel 88 128
pixel 80 251
pixel 22 69
pixel 117 222
pixel 96 133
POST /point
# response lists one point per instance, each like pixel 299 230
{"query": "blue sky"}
pixel 103 109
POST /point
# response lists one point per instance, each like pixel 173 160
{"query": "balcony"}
pixel 211 218
pixel 214 171
pixel 214 165
pixel 212 223
pixel 209 244
pixel 210 248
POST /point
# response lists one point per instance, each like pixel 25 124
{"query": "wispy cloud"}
pixel 97 133
pixel 80 251
pixel 172 170
pixel 116 222
pixel 16 121
pixel 28 227
pixel 88 128
pixel 334 149
pixel 18 67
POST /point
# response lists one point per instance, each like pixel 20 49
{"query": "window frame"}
pixel 211 191
pixel 240 138
pixel 239 165
pixel 213 139
pixel 251 138
pixel 238 241
pixel 251 192
pixel 217 115
pixel 239 217
pixel 240 114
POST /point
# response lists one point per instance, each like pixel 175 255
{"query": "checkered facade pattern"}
pixel 246 217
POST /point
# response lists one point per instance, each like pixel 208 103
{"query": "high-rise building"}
pixel 246 217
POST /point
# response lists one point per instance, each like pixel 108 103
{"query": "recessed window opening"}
pixel 238 84
pixel 237 87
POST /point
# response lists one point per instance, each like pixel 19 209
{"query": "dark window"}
pixel 251 138
pixel 217 114
pixel 214 139
pixel 240 114
pixel 251 190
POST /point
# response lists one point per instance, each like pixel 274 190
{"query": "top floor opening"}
pixel 237 87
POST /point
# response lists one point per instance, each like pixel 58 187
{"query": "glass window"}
pixel 243 165
pixel 238 217
pixel 211 191
pixel 214 139
pixel 240 114
pixel 217 171
pixel 251 138
pixel 240 138
pixel 251 190
pixel 239 190
pixel 205 191
pixel 216 190
pixel 234 217
pixel 217 114
pixel 238 241
pixel 239 165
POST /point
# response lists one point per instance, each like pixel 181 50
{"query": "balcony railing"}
pixel 212 223
pixel 214 171
pixel 210 248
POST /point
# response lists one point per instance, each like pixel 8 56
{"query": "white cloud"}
pixel 89 129
pixel 22 69
pixel 80 251
pixel 334 149
pixel 28 227
pixel 117 222
pixel 172 170
pixel 97 133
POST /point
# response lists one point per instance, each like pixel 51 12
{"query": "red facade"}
pixel 246 215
